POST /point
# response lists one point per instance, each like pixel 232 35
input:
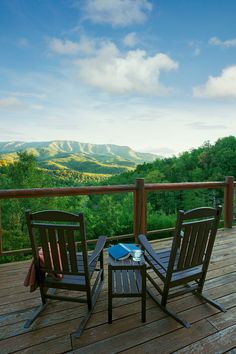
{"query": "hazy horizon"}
pixel 157 76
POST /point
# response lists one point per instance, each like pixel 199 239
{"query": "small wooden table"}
pixel 126 278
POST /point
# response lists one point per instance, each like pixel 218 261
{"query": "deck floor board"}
pixel 211 331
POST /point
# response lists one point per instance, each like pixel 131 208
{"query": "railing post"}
pixel 228 201
pixel 140 209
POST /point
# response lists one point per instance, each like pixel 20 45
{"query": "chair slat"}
pixel 52 235
pixel 191 244
pixel 199 244
pixel 184 246
pixel 45 247
pixel 63 250
pixel 205 242
pixel 71 249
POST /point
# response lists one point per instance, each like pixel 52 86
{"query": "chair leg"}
pixel 182 321
pixel 84 322
pixel 110 310
pixel 39 310
pixel 143 298
pixel 36 313
pixel 110 292
pixel 89 300
pixel 165 295
pixel 102 265
pixel 211 302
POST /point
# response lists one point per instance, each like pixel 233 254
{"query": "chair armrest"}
pixel 98 248
pixel 148 248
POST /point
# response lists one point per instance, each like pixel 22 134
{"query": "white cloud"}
pixel 219 86
pixel 73 114
pixel 135 71
pixel 196 48
pixel 204 126
pixel 63 47
pixel 11 103
pixel 118 13
pixel 130 40
pixel 224 44
pixel 67 47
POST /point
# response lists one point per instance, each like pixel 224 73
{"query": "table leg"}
pixel 143 272
pixel 109 294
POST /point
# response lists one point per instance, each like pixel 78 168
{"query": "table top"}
pixel 126 263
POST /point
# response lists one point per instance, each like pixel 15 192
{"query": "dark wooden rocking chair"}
pixel 63 267
pixel 187 260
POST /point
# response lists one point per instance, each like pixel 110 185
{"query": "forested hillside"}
pixel 206 163
pixel 113 215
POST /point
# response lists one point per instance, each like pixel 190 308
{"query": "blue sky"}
pixel 158 76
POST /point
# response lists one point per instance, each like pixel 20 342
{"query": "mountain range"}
pixel 73 155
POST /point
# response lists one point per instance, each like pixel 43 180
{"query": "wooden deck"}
pixel 211 330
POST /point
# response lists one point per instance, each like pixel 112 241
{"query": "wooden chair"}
pixel 56 232
pixel 187 260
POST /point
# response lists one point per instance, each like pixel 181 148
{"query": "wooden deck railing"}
pixel 139 190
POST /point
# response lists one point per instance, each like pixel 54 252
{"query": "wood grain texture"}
pixel 53 331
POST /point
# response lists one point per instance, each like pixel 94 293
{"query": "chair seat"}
pixel 177 276
pixel 74 281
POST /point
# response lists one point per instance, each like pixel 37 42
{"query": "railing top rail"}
pixel 139 204
pixel 66 192
pixel 183 186
pixel 72 191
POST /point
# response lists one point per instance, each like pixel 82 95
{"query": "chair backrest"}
pixel 55 232
pixel 194 238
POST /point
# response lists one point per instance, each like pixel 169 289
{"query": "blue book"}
pixel 122 250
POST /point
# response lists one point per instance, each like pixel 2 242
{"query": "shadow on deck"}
pixel 211 331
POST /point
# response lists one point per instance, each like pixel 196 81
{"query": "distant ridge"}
pixel 82 157
pixel 68 146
